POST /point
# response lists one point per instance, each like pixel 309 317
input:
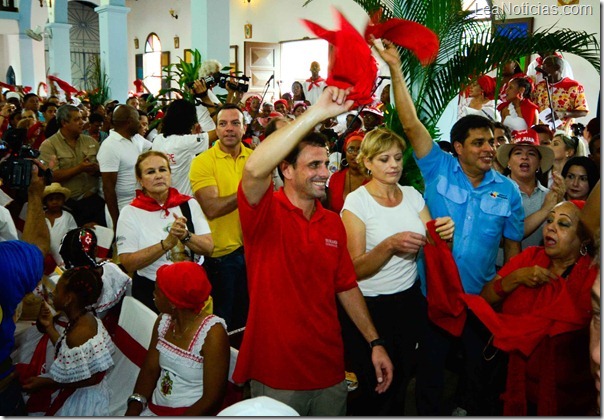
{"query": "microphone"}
pixel 540 70
pixel 270 78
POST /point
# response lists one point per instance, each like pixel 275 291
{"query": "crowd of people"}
pixel 288 221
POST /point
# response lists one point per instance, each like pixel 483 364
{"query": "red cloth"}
pixel 7 86
pixel 336 188
pixel 159 410
pixel 444 290
pixel 66 87
pixel 145 202
pixel 487 84
pixel 139 85
pixel 422 42
pixel 314 82
pixel 351 64
pixel 540 318
pixel 527 107
pixel 185 284
pixel 292 338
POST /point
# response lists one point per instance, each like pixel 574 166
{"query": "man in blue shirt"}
pixel 486 208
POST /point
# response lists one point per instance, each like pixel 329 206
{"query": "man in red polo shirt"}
pixel 298 264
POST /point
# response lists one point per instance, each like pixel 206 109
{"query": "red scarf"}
pixel 145 202
pixel 535 319
pixel 444 289
pixel 314 82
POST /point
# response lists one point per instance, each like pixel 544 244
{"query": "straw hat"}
pixel 526 138
pixel 55 188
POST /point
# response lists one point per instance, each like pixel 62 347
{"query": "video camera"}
pixel 16 160
pixel 221 79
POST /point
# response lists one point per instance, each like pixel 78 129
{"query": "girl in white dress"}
pixel 75 384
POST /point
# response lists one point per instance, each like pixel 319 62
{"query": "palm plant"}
pixel 468 48
pixel 97 82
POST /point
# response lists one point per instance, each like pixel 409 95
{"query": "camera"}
pixel 16 160
pixel 222 80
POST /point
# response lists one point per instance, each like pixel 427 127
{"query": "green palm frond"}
pixel 468 48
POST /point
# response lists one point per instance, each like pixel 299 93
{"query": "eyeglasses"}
pixel 353 150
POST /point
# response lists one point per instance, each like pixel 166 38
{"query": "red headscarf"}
pixel 185 284
pixel 487 84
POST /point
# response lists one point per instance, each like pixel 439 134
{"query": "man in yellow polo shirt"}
pixel 215 176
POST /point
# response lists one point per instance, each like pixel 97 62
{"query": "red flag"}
pixel 350 61
pixel 67 88
pixel 422 42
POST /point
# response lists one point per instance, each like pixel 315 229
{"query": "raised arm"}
pixel 417 134
pixel 257 172
pixel 35 230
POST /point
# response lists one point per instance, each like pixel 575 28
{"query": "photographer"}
pixel 21 265
pixel 207 102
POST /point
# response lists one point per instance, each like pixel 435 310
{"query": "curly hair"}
pixel 85 282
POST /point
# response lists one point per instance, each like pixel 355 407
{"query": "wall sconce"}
pixel 173 14
pixel 48 1
pixel 176 42
pixel 135 43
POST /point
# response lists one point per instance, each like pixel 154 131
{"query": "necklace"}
pixel 182 334
pixel 67 330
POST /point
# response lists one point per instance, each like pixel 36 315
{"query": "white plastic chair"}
pixel 132 338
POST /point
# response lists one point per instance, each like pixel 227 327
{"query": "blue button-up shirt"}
pixel 482 215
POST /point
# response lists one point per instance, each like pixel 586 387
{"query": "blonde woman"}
pixel 385 227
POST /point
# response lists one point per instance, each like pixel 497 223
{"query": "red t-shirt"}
pixel 295 268
pixel 336 188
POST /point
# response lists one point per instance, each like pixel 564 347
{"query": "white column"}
pixel 113 30
pixel 210 32
pixel 26 75
pixel 59 50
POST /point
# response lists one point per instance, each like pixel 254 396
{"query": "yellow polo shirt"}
pixel 215 167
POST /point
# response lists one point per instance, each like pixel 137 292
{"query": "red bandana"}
pixel 314 82
pixel 145 202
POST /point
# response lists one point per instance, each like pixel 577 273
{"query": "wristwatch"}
pixel 377 342
pixel 187 238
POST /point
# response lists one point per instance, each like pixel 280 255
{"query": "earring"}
pixel 583 250
pixel 369 172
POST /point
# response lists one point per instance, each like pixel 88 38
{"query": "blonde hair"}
pixel 377 141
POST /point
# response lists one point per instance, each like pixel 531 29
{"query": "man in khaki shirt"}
pixel 76 167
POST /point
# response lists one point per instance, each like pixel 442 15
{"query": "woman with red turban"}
pixel 478 99
pixel 186 368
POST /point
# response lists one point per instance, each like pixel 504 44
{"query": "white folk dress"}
pixel 80 363
pixel 180 382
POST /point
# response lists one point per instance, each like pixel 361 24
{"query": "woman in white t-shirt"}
pixel 385 226
pixel 157 210
pixel 181 139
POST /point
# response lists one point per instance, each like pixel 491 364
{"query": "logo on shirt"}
pixel 496 194
pixel 331 242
